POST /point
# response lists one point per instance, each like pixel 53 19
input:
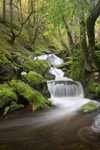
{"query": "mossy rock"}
pixel 8 72
pixel 5 58
pixel 35 78
pixel 49 76
pixel 39 66
pixel 30 95
pixel 90 106
pixel 37 82
pixel 7 95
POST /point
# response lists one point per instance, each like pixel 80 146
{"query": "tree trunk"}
pixel 70 39
pixel 91 33
pixel 62 43
pixel 11 14
pixel 20 2
pixel 83 42
pixel 35 34
pixel 29 21
pixel 4 11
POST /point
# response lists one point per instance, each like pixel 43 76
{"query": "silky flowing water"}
pixel 62 127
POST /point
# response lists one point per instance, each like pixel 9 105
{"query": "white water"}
pixel 65 93
pixel 52 58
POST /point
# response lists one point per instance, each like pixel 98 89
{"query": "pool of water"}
pixel 51 129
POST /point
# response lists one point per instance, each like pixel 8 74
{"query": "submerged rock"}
pixel 90 106
pixel 37 82
pixel 7 95
pixel 39 66
pixel 29 95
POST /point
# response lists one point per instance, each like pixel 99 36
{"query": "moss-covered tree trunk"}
pixel 91 33
pixel 69 35
pixel 62 43
pixel 83 42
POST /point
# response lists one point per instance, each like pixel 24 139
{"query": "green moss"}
pixel 38 53
pixel 5 58
pixel 7 95
pixel 77 71
pixel 15 54
pixel 42 105
pixel 29 94
pixel 39 66
pixel 65 65
pixel 16 107
pixel 90 106
pixel 35 78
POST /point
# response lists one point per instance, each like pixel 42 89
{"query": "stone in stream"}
pixel 90 106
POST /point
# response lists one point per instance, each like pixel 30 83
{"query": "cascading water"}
pixel 64 91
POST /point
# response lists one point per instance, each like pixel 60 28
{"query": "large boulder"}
pixel 90 106
pixel 37 82
pixel 8 68
pixel 30 95
pixel 39 66
pixel 7 95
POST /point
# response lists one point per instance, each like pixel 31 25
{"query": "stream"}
pixel 62 127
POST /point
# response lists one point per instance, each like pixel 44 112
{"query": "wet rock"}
pixel 49 76
pixel 90 106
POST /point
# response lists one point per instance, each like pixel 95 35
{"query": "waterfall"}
pixel 61 86
pixel 65 88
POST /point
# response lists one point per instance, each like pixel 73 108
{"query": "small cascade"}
pixel 65 88
pixel 57 72
pixel 52 58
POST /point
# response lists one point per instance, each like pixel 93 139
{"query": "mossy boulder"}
pixel 8 72
pixel 37 82
pixel 5 58
pixel 30 95
pixel 7 95
pixel 39 66
pixel 90 106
